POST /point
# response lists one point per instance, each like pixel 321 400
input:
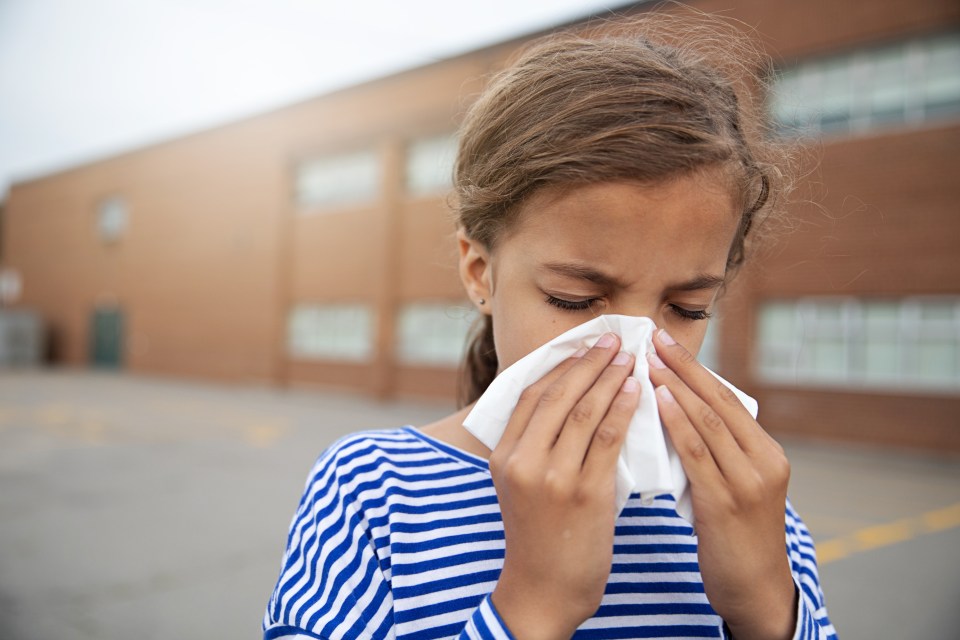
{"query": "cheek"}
pixel 516 336
pixel 509 339
pixel 689 334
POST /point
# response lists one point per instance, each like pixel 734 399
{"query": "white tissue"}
pixel 648 465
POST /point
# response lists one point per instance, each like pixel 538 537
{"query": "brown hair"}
pixel 645 100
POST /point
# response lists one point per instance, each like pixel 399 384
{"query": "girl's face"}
pixel 639 250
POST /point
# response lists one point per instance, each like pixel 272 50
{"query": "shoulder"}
pixel 400 447
pixel 367 464
pixel 333 578
pixel 364 446
pixel 357 453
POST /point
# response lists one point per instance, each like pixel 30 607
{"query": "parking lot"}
pixel 156 508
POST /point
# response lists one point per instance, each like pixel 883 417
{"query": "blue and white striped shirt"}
pixel 399 535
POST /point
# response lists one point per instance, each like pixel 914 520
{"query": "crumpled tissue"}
pixel 648 464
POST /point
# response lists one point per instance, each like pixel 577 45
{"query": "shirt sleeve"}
pixel 486 624
pixel 812 620
pixel 333 585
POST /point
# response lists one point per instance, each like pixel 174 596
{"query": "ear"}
pixel 475 272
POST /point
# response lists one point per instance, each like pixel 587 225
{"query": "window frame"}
pixel 910 331
pixel 317 347
pixel 797 91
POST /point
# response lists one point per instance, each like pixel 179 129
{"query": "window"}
pixel 911 343
pixel 433 333
pixel 909 82
pixel 111 218
pixel 337 180
pixel 430 164
pixel 331 332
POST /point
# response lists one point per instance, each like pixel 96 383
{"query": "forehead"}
pixel 685 224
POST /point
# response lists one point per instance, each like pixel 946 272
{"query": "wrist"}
pixel 530 614
pixel 774 620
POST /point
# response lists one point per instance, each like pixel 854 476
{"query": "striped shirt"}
pixel 399 535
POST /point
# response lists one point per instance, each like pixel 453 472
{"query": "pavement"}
pixel 147 507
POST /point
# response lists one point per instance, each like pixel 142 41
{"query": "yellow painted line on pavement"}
pixel 942 519
pixel 891 533
pixel 263 434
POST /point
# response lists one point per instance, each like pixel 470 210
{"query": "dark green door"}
pixel 106 338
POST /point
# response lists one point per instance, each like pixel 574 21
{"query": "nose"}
pixel 652 311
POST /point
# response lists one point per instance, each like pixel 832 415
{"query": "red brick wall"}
pixel 216 251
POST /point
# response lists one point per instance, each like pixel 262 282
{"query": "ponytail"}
pixel 480 365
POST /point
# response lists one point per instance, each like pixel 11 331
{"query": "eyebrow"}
pixel 582 272
pixel 700 282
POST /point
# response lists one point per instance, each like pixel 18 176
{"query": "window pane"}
pixel 938 311
pixel 871 86
pixel 828 359
pixel 903 344
pixel 936 361
pixel 880 319
pixel 888 91
pixel 882 361
pixel 836 95
pixel 792 115
pixel 336 180
pixel 942 75
pixel 111 218
pixel 433 333
pixel 779 339
pixel 828 314
pixel 778 324
pixel 335 332
pixel 430 164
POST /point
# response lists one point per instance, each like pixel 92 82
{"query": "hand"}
pixel 738 483
pixel 555 474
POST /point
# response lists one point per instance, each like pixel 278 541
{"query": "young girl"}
pixel 606 172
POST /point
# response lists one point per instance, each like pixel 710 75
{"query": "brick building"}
pixel 312 245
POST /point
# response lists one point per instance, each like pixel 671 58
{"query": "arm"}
pixel 554 472
pixel 331 584
pixel 738 479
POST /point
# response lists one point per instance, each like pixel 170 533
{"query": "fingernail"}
pixel 666 338
pixel 622 358
pixel 631 385
pixel 664 394
pixel 606 341
pixel 655 361
pixel 579 353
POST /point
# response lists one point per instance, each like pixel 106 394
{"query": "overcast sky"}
pixel 85 79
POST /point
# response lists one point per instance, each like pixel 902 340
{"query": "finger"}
pixel 717 395
pixel 607 439
pixel 527 403
pixel 582 421
pixel 695 456
pixel 711 428
pixel 559 397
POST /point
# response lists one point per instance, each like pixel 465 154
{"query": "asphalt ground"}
pixel 137 507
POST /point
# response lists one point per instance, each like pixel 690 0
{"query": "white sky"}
pixel 85 79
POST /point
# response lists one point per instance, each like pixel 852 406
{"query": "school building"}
pixel 313 246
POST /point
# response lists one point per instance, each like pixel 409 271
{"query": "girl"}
pixel 607 172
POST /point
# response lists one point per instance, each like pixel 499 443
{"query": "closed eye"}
pixel 571 305
pixel 690 314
